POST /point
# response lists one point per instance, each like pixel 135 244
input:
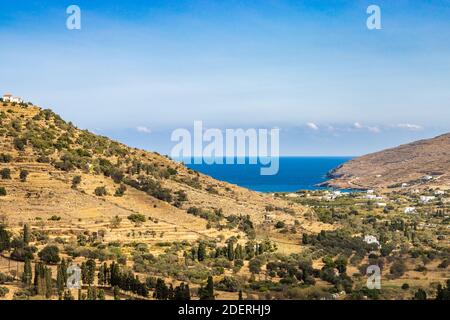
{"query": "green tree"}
pixel 5 239
pixel 90 276
pixel 48 283
pixel 255 266
pixel 116 292
pixel 207 292
pixel 49 254
pixel 201 254
pixel 26 234
pixel 27 275
pixel 420 295
pixel 230 251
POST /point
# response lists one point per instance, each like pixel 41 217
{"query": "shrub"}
pixel 100 191
pixel 76 181
pixel 120 191
pixel 5 278
pixel 2 191
pixel 280 225
pixel 19 143
pixel 5 158
pixel 136 218
pixel 3 291
pixel 50 254
pixel 24 175
pixel 398 268
pixel 5 173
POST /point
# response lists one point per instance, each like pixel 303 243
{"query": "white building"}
pixel 371 239
pixel 9 98
pixel 410 210
pixel 427 178
pixel 292 195
pixel 381 204
pixel 439 192
pixel 426 199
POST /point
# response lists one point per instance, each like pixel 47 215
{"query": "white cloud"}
pixel 358 125
pixel 409 126
pixel 312 126
pixel 143 129
pixel 374 129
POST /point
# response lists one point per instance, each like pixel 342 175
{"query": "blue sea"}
pixel 295 173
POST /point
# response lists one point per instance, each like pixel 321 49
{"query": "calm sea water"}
pixel 295 173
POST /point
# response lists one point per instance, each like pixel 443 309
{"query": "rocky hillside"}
pixel 419 164
pixel 71 180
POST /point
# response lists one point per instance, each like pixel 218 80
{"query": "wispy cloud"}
pixel 359 126
pixel 312 126
pixel 143 129
pixel 409 126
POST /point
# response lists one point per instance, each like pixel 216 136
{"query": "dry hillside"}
pixel 54 152
pixel 419 164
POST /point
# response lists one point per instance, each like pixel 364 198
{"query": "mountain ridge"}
pixel 418 164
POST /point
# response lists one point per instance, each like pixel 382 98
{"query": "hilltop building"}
pixel 7 97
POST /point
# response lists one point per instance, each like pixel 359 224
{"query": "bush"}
pixel 24 175
pixel 50 254
pixel 136 218
pixel 5 173
pixel 76 181
pixel 5 158
pixel 120 191
pixel 280 225
pixel 2 191
pixel 100 191
pixel 398 268
pixel 229 284
pixel 5 278
pixel 3 291
pixel 19 144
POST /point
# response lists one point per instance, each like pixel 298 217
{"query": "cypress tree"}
pixel 90 271
pixel 27 275
pixel 48 283
pixel 201 251
pixel 210 288
pixel 60 284
pixel 26 234
pixel 116 291
pixel 230 251
pixel 187 292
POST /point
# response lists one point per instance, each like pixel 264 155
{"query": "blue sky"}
pixel 139 69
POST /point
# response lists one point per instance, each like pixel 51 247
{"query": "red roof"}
pixel 7 95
